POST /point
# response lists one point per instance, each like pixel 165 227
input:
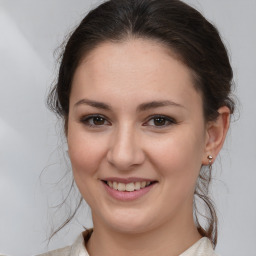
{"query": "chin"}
pixel 127 228
pixel 130 224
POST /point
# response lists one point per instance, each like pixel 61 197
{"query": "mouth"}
pixel 128 187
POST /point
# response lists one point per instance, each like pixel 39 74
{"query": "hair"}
pixel 175 25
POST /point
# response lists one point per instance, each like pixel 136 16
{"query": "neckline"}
pixel 200 247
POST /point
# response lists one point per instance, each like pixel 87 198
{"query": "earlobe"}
pixel 216 133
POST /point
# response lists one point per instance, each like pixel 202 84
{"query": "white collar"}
pixel 202 247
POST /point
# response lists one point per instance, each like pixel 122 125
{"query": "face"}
pixel 135 116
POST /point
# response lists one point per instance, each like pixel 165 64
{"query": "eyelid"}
pixel 85 119
pixel 167 118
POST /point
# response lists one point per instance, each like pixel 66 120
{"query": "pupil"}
pixel 98 121
pixel 159 121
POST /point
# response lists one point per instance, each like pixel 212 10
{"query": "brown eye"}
pixel 159 121
pixel 98 120
pixel 94 121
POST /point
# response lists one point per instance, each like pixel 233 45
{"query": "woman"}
pixel 144 91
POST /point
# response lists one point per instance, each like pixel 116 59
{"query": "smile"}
pixel 129 187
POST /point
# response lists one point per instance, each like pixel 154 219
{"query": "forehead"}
pixel 131 68
pixel 132 57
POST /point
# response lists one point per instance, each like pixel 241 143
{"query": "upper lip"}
pixel 127 180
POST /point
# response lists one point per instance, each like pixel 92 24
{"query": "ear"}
pixel 216 132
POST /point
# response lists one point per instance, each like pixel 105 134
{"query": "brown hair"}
pixel 177 26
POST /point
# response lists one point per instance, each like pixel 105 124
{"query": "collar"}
pixel 202 247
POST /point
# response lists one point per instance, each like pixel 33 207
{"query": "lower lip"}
pixel 126 195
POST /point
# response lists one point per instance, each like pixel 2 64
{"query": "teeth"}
pixel 110 183
pixel 128 187
pixel 143 184
pixel 121 186
pixel 115 185
pixel 137 185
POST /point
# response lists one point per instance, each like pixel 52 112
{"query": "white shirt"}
pixel 202 247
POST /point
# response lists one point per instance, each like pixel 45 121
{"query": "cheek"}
pixel 178 158
pixel 85 151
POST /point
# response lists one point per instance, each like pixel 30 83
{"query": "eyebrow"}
pixel 142 107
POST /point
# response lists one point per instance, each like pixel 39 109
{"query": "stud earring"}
pixel 210 159
pixel 210 162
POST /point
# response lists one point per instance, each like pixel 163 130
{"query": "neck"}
pixel 173 237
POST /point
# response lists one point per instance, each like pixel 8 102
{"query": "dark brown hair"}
pixel 175 25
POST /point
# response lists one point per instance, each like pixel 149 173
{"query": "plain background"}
pixel 30 31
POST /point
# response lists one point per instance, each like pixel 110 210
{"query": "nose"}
pixel 125 150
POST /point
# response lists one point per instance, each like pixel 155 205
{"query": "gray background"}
pixel 30 30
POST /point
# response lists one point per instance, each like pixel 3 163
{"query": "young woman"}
pixel 144 91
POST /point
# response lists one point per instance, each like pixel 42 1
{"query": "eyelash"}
pixel 86 120
pixel 170 121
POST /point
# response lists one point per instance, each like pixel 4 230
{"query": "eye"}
pixel 160 121
pixel 94 120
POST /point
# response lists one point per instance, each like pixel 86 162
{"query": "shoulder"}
pixel 77 248
pixel 202 247
pixel 59 252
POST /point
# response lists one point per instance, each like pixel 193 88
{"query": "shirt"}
pixel 202 247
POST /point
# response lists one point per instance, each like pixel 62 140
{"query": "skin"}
pixel 128 143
